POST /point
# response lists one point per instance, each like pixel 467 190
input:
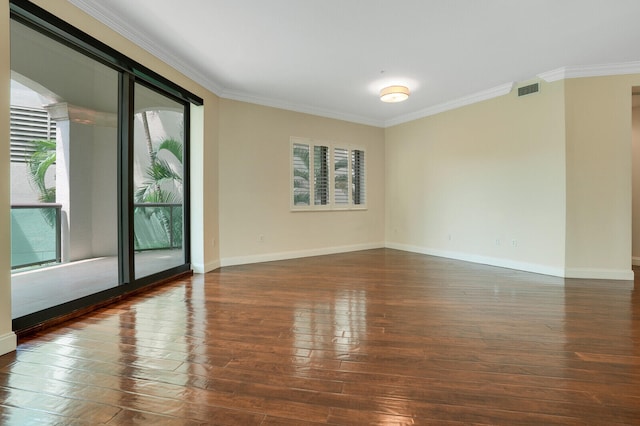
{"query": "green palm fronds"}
pixel 38 164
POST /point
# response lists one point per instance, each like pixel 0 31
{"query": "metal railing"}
pixel 157 226
pixel 35 234
pixel 36 231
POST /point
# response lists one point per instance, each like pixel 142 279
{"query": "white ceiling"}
pixel 331 57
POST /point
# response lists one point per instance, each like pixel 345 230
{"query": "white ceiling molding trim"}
pixel 305 109
pixel 591 71
pixel 553 75
pixel 102 14
pixel 503 89
pixel 101 11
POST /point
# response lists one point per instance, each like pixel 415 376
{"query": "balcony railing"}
pixel 35 234
pixel 157 226
pixel 36 231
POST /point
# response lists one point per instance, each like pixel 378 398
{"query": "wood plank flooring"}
pixel 377 337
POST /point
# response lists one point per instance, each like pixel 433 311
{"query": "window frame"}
pixel 331 147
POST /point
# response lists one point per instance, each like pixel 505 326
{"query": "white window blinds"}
pixel 28 125
pixel 341 176
pixel 325 176
pixel 300 166
pixel 321 175
pixel 358 181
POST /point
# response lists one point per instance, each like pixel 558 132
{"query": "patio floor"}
pixel 42 288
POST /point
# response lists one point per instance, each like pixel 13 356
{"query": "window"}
pixel 341 176
pixel 320 175
pixel 326 176
pixel 301 195
pixel 357 176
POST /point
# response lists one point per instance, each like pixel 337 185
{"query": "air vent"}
pixel 527 90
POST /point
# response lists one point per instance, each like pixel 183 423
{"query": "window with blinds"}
pixel 320 175
pixel 28 125
pixel 326 176
pixel 341 176
pixel 300 168
pixel 358 183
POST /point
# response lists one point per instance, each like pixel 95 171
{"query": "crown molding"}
pixel 483 95
pixel 100 12
pixel 305 109
pixel 601 70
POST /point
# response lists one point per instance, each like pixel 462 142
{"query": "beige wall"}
pixel 255 186
pixel 636 185
pixel 598 113
pixel 483 183
pixel 551 171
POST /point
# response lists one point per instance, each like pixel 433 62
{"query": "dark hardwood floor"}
pixel 373 337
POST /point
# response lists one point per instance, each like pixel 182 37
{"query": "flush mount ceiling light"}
pixel 394 94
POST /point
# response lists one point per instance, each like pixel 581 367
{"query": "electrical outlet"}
pixel 514 243
pixel 497 241
pixel 261 238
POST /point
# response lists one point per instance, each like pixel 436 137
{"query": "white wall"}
pixel 254 170
pixel 483 183
pixel 197 196
pixel 104 191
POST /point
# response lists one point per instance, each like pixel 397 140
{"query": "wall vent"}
pixel 527 90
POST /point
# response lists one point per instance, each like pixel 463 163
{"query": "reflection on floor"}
pixel 376 337
pixel 38 289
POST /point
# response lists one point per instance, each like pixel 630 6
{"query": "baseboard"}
pixel 8 343
pixel 583 273
pixel 270 257
pixel 635 261
pixel 599 274
pixel 484 260
pixel 200 268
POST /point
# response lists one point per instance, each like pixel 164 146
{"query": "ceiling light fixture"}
pixel 394 94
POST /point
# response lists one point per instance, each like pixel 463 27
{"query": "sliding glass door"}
pixel 158 172
pixel 99 170
pixel 64 167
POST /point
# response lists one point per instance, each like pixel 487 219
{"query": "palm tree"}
pixel 160 176
pixel 162 185
pixel 301 194
pixel 43 157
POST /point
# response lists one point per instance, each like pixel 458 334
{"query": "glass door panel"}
pixel 157 182
pixel 64 173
